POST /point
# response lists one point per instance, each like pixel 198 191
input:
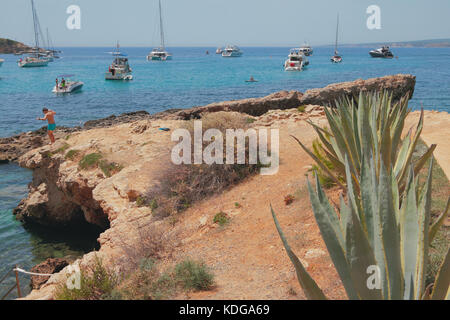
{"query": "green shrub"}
pixel 90 161
pixel 194 275
pixel 72 154
pixel 109 168
pixel 96 283
pixel 301 109
pixel 221 218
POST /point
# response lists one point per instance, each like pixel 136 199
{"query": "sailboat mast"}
pixel 161 27
pixel 337 33
pixel 36 34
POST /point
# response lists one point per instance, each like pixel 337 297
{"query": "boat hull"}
pixel 119 76
pixel 158 58
pixel 375 54
pixel 232 55
pixel 33 64
pixel 69 89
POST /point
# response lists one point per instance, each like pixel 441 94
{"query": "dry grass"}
pixel 182 185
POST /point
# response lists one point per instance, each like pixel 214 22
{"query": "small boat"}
pixel 219 50
pixel 119 68
pixel 65 85
pixel 232 52
pixel 160 53
pixel 251 80
pixel 383 52
pixel 336 58
pixel 36 58
pixel 306 49
pixel 296 61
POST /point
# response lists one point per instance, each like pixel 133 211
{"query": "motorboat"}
pixel 219 50
pixel 119 68
pixel 383 52
pixel 296 61
pixel 307 50
pixel 160 53
pixel 232 52
pixel 65 85
pixel 336 58
pixel 36 57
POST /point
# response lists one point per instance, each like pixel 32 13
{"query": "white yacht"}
pixel 231 52
pixel 36 58
pixel 119 68
pixel 65 85
pixel 160 53
pixel 296 61
pixel 383 52
pixel 306 49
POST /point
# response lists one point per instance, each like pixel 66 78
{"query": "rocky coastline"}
pixel 62 193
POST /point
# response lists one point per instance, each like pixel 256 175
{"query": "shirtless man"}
pixel 50 117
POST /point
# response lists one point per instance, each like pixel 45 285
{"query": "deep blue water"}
pixel 192 78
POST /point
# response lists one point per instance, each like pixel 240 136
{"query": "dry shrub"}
pixel 182 185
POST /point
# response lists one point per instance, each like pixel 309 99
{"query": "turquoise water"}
pixel 192 78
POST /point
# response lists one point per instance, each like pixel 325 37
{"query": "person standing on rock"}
pixel 50 117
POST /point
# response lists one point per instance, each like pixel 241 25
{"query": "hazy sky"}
pixel 218 22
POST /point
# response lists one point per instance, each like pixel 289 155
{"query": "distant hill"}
pixel 435 43
pixel 10 46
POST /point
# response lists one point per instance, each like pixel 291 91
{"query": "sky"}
pixel 219 22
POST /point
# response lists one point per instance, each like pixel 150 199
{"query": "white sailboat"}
pixel 336 58
pixel 36 58
pixel 160 53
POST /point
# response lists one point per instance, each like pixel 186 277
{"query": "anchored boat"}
pixel 296 61
pixel 160 53
pixel 36 58
pixel 307 50
pixel 383 52
pixel 119 68
pixel 336 58
pixel 64 84
pixel 232 52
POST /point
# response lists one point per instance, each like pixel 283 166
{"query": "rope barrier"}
pixel 32 273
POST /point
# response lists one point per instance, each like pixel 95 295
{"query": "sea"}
pixel 192 78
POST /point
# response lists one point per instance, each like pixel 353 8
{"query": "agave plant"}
pixel 372 126
pixel 377 229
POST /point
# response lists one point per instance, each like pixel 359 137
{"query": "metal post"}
pixel 17 283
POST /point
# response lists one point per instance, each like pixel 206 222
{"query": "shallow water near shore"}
pixel 192 78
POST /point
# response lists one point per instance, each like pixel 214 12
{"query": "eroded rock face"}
pixel 59 195
pixel 49 266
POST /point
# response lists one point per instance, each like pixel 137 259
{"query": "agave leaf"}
pixel 368 198
pixel 424 222
pixel 309 286
pixel 331 238
pixel 437 224
pixel 360 257
pixel 442 283
pixel 418 165
pixel 390 235
pixel 320 163
pixel 412 148
pixel 402 154
pixel 409 234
